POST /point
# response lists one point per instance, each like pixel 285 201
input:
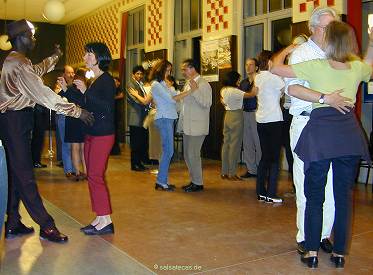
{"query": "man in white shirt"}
pixel 301 110
pixel 194 119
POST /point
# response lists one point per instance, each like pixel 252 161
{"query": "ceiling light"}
pixel 54 10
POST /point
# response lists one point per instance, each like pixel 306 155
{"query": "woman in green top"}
pixel 330 137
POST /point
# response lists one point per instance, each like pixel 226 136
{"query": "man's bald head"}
pixel 68 74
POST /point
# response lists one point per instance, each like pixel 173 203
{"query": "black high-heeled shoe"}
pixel 338 261
pixel 169 188
pixel 310 261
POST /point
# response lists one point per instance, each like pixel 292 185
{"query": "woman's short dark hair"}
pixel 231 78
pixel 158 71
pixel 138 68
pixel 263 58
pixel 102 54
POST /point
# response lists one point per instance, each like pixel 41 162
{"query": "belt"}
pixel 27 109
pixel 305 113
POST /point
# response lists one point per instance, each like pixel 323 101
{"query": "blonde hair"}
pixel 340 42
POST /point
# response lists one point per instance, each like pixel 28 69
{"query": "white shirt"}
pixel 147 89
pixel 232 98
pixel 305 52
pixel 269 94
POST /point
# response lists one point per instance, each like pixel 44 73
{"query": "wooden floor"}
pixel 223 230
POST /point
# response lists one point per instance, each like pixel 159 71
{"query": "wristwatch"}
pixel 322 99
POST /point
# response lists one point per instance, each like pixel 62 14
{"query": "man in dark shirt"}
pixel 251 144
pixel 136 115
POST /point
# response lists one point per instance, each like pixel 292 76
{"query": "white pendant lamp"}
pixel 54 10
pixel 4 43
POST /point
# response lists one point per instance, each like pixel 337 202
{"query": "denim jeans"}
pixel 344 174
pixel 66 147
pixel 3 186
pixel 166 130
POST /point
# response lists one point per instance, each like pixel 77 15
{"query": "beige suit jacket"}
pixel 195 111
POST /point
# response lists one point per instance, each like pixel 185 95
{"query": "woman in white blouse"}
pixel 269 123
pixel 232 99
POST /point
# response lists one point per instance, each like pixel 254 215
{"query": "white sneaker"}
pixel 274 200
pixel 261 198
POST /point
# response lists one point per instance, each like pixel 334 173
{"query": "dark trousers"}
pixel 38 130
pixel 286 138
pixel 344 175
pixel 15 133
pixel 3 186
pixel 270 144
pixel 58 145
pixel 138 144
pixel 117 118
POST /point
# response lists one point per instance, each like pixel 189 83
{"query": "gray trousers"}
pixel 251 144
pixel 192 156
pixel 230 152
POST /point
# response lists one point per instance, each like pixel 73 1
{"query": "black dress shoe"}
pixel 310 261
pixel 89 226
pixel 20 230
pixel 143 167
pixel 248 175
pixel 39 165
pixel 326 245
pixel 188 185
pixel 193 188
pixel 300 248
pixel 169 188
pixel 109 229
pixel 53 235
pixel 137 168
pixel 338 261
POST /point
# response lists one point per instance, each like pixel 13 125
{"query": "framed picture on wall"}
pixel 368 91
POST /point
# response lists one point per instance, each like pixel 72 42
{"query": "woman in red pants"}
pixel 100 136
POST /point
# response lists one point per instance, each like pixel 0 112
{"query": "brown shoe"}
pixel 53 235
pixel 224 177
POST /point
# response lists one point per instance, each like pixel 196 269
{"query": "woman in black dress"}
pixel 75 129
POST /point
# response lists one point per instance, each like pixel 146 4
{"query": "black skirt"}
pixel 74 130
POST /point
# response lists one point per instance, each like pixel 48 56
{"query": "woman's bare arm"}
pixel 278 66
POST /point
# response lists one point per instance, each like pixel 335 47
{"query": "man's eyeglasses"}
pixel 322 27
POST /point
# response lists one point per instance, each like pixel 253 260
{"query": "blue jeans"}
pixel 344 175
pixel 3 186
pixel 166 130
pixel 66 147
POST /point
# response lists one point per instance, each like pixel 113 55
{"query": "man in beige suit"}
pixel 194 119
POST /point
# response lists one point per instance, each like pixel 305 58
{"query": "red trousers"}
pixel 96 153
